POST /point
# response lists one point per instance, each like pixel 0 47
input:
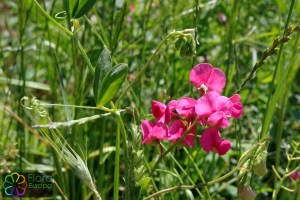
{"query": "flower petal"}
pixel 199 74
pixel 172 105
pixel 206 105
pixel 189 140
pixel 223 147
pixel 224 104
pixel 208 138
pixel 216 80
pixel 218 119
pixel 186 107
pixel 158 109
pixel 176 130
pixel 237 108
pixel 160 131
pixel 146 131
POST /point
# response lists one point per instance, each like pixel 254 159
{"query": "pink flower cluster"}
pixel 212 110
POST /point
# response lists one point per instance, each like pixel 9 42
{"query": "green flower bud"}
pixel 259 167
pixel 187 49
pixel 179 42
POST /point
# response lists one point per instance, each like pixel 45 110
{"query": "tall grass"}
pixel 52 59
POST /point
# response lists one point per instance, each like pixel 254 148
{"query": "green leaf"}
pixel 102 68
pixel 144 182
pixel 119 18
pixel 73 6
pixel 112 83
pixel 82 7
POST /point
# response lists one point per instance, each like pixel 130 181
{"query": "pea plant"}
pixel 152 99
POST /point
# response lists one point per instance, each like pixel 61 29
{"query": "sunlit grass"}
pixel 95 150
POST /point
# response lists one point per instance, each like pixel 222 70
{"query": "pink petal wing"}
pixel 237 109
pixel 189 140
pixel 224 104
pixel 216 81
pixel 172 105
pixel 218 119
pixel 146 131
pixel 176 130
pixel 223 147
pixel 199 74
pixel 235 98
pixel 186 107
pixel 206 105
pixel 208 139
pixel 160 131
pixel 158 109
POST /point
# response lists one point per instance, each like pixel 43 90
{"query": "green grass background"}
pixel 39 59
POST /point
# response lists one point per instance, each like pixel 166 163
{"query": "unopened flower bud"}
pixel 187 49
pixel 76 24
pixel 246 193
pixel 259 167
pixel 179 42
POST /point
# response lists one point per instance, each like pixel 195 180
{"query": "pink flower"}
pixel 153 131
pixel 214 110
pixel 162 112
pixel 237 108
pixel 177 129
pixel 295 175
pixel 186 107
pixel 211 141
pixel 131 7
pixel 206 78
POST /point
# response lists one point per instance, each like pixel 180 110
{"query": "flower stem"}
pixel 172 34
pixel 62 28
pixel 239 165
pixel 199 173
pixel 117 165
pixel 173 146
pixel 124 138
pixel 69 33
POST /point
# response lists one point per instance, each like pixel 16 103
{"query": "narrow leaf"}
pixel 102 68
pixel 73 6
pixel 83 7
pixel 120 16
pixel 112 83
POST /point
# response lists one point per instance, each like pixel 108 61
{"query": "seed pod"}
pixel 246 193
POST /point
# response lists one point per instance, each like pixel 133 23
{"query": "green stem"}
pixel 69 33
pixel 185 173
pixel 279 186
pixel 239 165
pixel 62 28
pixel 83 53
pixel 100 38
pixel 173 145
pixel 199 173
pixel 150 60
pixel 85 107
pixel 124 137
pixel 102 31
pixel 263 133
pixel 117 165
